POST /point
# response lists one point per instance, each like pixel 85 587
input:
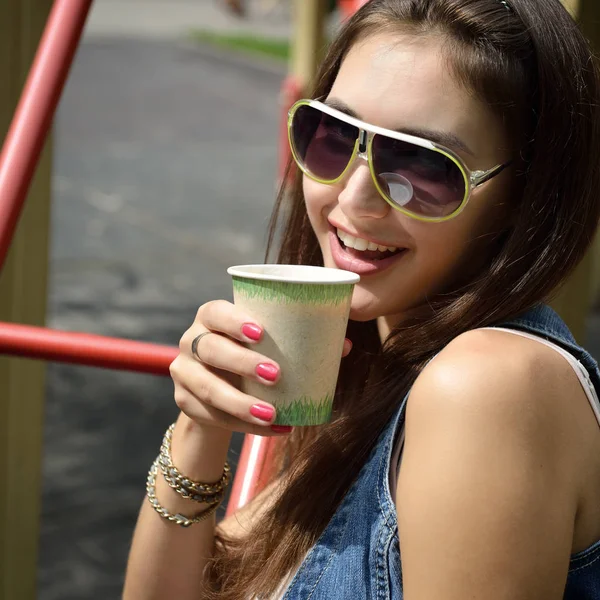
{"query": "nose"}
pixel 359 196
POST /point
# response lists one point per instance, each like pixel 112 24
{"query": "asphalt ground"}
pixel 165 163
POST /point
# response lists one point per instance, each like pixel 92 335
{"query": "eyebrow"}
pixel 445 138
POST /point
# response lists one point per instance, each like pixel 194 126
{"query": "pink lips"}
pixel 360 266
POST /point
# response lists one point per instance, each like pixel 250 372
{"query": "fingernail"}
pixel 267 371
pixel 347 345
pixel 252 332
pixel 262 412
pixel 282 428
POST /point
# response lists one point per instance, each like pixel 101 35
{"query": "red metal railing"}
pixel 34 113
pixel 85 349
pixel 18 160
pixel 349 7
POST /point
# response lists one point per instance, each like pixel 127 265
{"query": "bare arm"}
pixel 488 487
pixel 166 560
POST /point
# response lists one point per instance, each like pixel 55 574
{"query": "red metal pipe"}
pixel 349 7
pixel 256 458
pixel 18 160
pixel 85 349
pixel 253 470
pixel 31 122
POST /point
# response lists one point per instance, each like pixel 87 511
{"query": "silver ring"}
pixel 196 341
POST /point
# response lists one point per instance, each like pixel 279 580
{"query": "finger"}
pixel 212 390
pixel 205 414
pixel 347 348
pixel 225 317
pixel 228 355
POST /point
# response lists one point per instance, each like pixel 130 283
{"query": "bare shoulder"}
pixel 496 371
pixel 507 394
pixel 492 468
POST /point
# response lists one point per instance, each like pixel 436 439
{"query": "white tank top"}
pixel 580 371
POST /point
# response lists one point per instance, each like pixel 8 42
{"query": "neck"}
pixel 385 326
pixel 386 323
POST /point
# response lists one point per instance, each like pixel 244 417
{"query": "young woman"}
pixel 450 157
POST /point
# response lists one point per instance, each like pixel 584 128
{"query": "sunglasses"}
pixel 419 178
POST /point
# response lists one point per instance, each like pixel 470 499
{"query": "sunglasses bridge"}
pixel 362 150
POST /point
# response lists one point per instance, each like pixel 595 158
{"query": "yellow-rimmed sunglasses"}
pixel 420 178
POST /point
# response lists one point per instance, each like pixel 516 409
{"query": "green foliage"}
pixel 247 44
pixel 305 411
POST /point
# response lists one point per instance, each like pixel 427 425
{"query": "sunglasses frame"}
pixel 472 179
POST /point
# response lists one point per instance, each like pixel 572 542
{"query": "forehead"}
pixel 397 80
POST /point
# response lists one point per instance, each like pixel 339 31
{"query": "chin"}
pixel 365 306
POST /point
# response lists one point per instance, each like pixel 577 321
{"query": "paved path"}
pixel 164 168
pixel 168 19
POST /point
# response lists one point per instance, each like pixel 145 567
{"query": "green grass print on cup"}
pixel 304 312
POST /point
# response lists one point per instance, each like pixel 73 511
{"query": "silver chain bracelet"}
pixel 198 491
pixel 163 512
pixel 205 493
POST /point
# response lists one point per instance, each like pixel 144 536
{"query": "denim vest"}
pixel 358 556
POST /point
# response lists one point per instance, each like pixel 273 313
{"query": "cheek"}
pixel 319 199
pixel 442 252
pixel 438 250
pixel 454 251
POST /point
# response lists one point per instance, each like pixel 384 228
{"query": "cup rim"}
pixel 295 274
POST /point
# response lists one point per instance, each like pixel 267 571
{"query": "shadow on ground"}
pixel 164 167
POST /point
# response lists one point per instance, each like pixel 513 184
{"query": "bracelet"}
pixel 198 491
pixel 187 493
pixel 163 512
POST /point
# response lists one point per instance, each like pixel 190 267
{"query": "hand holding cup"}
pixel 208 377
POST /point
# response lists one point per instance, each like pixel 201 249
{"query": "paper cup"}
pixel 304 312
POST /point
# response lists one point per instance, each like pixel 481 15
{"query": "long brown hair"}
pixel 529 62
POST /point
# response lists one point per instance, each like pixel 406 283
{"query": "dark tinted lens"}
pixel 418 179
pixel 322 143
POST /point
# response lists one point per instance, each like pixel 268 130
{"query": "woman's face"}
pixel 403 82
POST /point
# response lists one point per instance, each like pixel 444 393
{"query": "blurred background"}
pixel 165 168
pixel 162 174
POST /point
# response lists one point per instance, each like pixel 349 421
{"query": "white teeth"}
pixel 359 244
pixel 349 240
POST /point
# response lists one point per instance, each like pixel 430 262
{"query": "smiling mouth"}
pixel 365 250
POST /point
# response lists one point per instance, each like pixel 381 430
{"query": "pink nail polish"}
pixel 282 428
pixel 252 332
pixel 267 371
pixel 262 412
